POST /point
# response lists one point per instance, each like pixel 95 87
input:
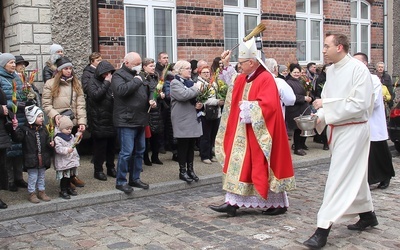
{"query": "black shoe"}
pixel 326 147
pixel 72 192
pixel 139 184
pixel 362 224
pixel 275 211
pixel 299 152
pixel 384 184
pixel 185 177
pixel 3 205
pixel 112 172
pixel 21 184
pixel 12 187
pixel 100 176
pixel 156 161
pixel 125 188
pixel 316 241
pixel 304 147
pixel 175 157
pixel 147 162
pixel 225 208
pixel 65 195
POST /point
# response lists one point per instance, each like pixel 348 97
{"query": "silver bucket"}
pixel 307 124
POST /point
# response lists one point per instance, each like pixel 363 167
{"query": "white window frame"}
pixel 362 22
pixel 241 12
pixel 309 17
pixel 149 6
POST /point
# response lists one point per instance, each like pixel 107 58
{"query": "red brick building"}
pixel 189 29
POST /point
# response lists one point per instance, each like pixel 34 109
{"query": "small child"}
pixel 37 151
pixel 66 159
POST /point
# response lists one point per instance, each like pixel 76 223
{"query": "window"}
pixel 150 27
pixel 309 21
pixel 244 12
pixel 360 27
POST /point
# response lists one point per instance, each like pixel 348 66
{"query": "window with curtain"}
pixel 150 28
pixel 360 27
pixel 309 20
pixel 240 18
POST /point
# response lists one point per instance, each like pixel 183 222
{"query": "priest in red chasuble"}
pixel 252 143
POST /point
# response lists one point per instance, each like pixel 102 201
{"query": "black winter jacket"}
pixel 100 103
pixel 48 71
pixel 88 72
pixel 155 121
pixel 5 139
pixel 300 104
pixel 131 99
pixel 26 135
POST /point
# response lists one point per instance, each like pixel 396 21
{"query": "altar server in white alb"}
pixel 380 165
pixel 345 106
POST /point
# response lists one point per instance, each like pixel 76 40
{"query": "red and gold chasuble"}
pixel 255 157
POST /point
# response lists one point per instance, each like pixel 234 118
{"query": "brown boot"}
pixel 77 182
pixel 43 196
pixel 33 198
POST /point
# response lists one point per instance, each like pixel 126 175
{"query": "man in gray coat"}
pixel 132 99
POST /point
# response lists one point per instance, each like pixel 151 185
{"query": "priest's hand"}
pixel 317 103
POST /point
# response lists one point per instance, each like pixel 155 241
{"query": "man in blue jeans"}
pixel 132 99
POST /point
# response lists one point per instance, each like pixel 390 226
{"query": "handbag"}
pixel 69 112
pixel 211 112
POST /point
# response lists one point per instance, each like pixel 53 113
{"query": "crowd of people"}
pixel 239 116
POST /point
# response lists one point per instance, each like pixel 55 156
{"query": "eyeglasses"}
pixel 240 63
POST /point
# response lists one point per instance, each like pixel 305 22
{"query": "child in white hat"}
pixel 37 151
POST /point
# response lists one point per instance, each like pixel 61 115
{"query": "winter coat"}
pixel 100 103
pixel 155 120
pixel 54 106
pixel 87 74
pixel 185 122
pixel 48 71
pixel 5 139
pixel 62 159
pixel 300 104
pixel 27 135
pixel 131 99
pixel 6 83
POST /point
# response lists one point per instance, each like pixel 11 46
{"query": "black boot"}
pixel 190 172
pixel 183 174
pixel 146 158
pixel 318 239
pixel 367 219
pixel 155 159
pixel 64 182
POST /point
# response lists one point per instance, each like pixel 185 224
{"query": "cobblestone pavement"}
pixel 181 220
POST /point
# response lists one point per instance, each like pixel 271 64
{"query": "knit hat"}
pixel 31 113
pixel 5 58
pixel 63 62
pixel 65 122
pixel 20 59
pixel 282 68
pixel 55 47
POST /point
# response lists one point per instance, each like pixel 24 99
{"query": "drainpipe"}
pixel 385 34
pixel 95 25
pixel 1 26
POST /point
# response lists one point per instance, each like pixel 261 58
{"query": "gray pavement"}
pixel 174 215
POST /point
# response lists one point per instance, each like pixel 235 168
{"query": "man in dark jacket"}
pixel 132 98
